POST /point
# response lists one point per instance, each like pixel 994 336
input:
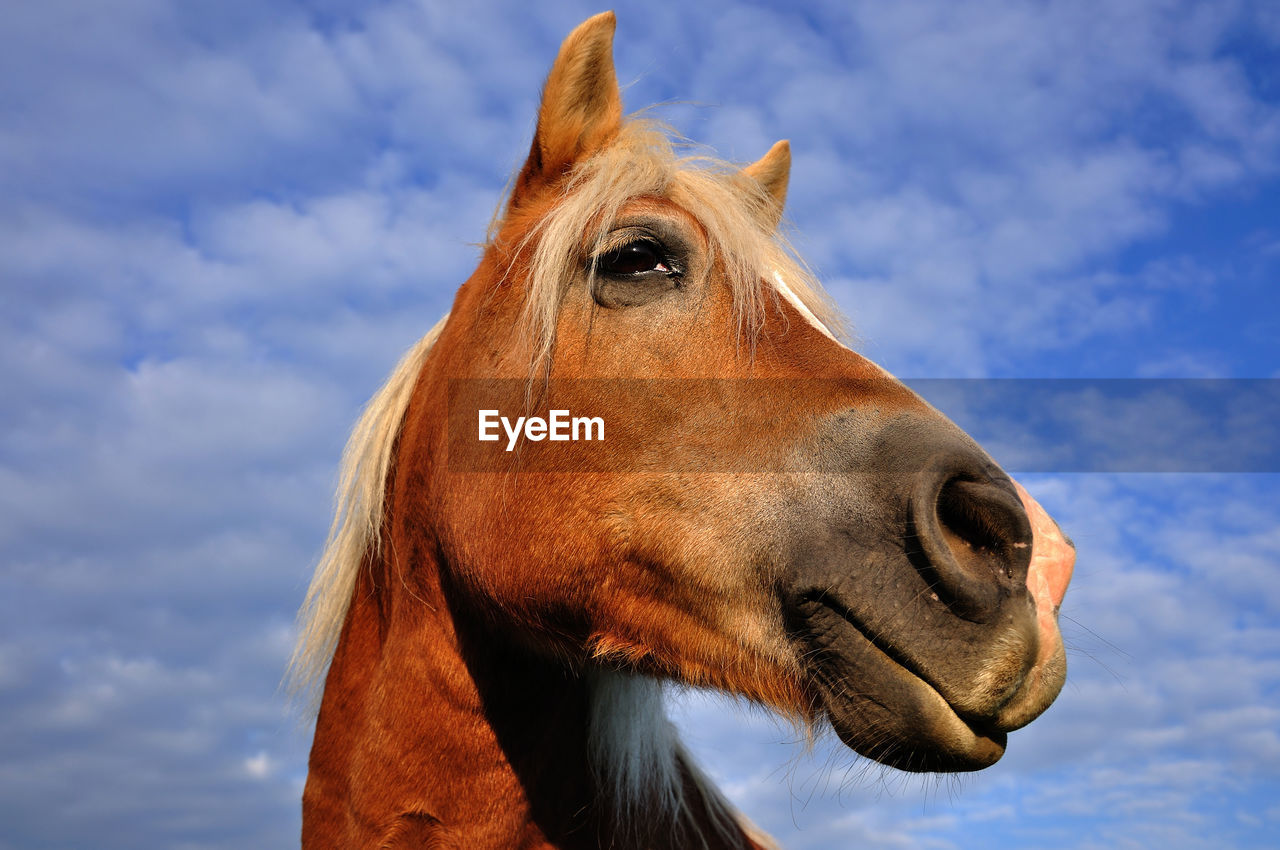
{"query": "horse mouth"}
pixel 881 707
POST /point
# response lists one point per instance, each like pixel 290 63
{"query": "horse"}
pixel 761 511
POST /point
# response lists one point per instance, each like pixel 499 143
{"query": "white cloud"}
pixel 259 766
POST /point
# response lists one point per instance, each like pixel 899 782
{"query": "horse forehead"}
pixel 664 207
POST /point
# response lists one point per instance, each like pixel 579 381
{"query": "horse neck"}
pixel 439 728
pixel 433 727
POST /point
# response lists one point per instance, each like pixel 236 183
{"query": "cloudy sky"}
pixel 222 222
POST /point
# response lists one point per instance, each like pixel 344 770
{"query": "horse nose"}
pixel 973 534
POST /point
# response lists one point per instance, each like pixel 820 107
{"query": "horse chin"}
pixel 882 710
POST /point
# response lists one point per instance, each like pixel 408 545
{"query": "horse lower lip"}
pixel 890 701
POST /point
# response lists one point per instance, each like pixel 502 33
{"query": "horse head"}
pixel 769 512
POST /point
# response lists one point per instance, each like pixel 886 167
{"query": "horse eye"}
pixel 633 258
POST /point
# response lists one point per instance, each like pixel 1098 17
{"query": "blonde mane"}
pixel 355 533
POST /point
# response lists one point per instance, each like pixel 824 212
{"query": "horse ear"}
pixel 772 171
pixel 581 105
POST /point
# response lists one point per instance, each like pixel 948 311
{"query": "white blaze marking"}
pixel 794 300
pixel 789 294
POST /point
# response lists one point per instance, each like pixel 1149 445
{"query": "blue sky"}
pixel 221 223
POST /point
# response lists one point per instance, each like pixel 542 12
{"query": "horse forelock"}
pixel 641 162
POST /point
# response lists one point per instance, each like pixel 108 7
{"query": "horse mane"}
pixel 638 758
pixel 355 533
pixel 634 747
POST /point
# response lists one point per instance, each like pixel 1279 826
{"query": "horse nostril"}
pixel 981 523
pixel 974 535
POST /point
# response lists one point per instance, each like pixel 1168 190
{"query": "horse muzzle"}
pixel 924 598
